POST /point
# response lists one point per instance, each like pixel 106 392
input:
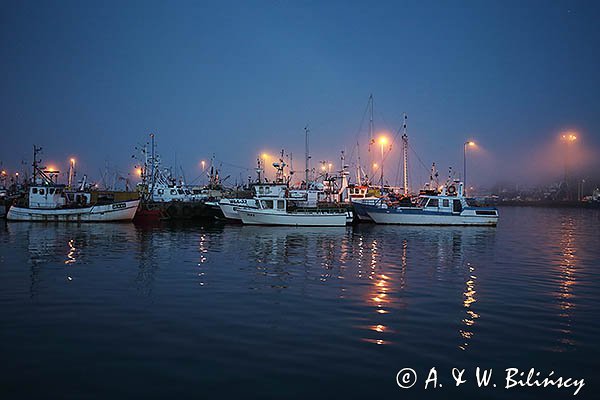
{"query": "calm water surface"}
pixel 119 310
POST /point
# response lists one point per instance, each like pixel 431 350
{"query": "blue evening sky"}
pixel 236 78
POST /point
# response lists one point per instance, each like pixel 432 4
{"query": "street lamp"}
pixel 382 142
pixel 568 138
pixel 467 144
pixel 71 172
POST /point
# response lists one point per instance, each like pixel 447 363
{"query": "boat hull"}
pixel 264 217
pixel 229 207
pixel 123 211
pixel 360 207
pixel 419 217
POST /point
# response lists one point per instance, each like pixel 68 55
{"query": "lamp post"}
pixel 467 144
pixel 382 142
pixel 71 172
pixel 568 138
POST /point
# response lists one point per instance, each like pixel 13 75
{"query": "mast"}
pixel 307 155
pixel 358 175
pixel 36 150
pixel 405 156
pixel 371 134
pixel 153 167
pixel 433 178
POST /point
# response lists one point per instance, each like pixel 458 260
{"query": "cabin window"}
pixel 261 190
pixel 34 190
pixel 457 207
pixel 51 191
pixel 187 192
pixel 42 191
pixel 280 204
pixel 180 191
pixel 173 191
pixel 267 204
pixel 446 203
pixel 433 203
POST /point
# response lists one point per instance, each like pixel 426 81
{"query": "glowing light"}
pixel 72 161
pixel 383 140
pixel 138 171
pixel 264 156
pixel 470 143
pixel 203 163
pixel 374 165
pixel 569 136
pixel 323 168
pixel 51 169
pixel 3 172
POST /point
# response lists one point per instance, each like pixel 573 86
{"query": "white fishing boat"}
pixel 50 204
pixel 449 207
pixel 275 211
pixel 49 201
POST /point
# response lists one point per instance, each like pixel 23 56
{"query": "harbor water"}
pixel 183 311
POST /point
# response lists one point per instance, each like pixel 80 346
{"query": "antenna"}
pixel 371 131
pixel 153 167
pixel 405 155
pixel 307 155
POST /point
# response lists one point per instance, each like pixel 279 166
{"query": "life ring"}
pixel 451 189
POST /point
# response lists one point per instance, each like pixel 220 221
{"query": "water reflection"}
pixel 567 269
pixel 71 255
pixel 450 256
pixel 281 253
pixel 45 247
pixel 470 297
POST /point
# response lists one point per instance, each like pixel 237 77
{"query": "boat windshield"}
pixel 422 201
pixel 433 203
pixel 266 204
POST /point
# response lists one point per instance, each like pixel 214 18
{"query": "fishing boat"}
pixel 53 203
pixel 165 196
pixel 230 207
pixel 447 207
pixel 48 201
pixel 277 211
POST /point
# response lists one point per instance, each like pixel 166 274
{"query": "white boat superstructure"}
pixel 229 207
pixel 276 211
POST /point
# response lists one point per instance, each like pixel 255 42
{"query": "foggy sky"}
pixel 235 79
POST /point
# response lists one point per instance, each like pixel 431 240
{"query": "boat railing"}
pixel 319 210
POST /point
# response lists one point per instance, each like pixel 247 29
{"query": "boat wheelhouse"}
pixel 229 207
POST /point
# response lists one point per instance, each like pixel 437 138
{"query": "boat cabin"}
pixel 442 203
pixel 276 204
pixel 270 190
pixel 56 196
pixel 168 193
